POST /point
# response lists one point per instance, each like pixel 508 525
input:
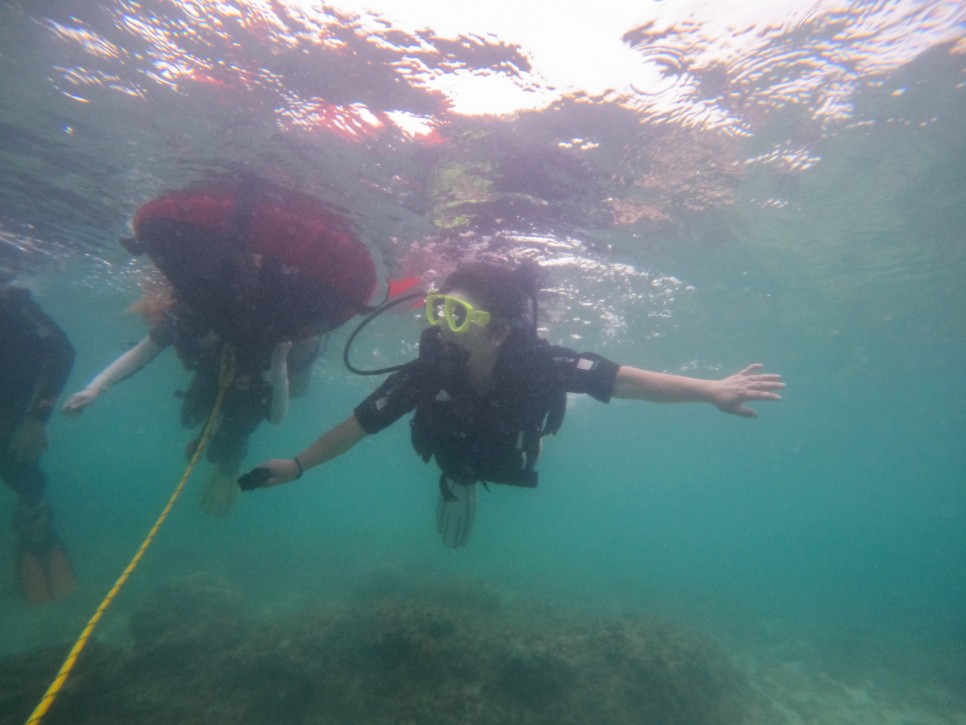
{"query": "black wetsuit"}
pixel 35 360
pixel 495 436
pixel 246 403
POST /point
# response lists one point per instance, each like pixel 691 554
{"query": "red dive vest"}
pixel 260 263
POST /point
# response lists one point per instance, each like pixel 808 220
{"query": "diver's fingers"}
pixel 76 403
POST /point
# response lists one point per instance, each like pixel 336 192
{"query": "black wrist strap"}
pixel 299 464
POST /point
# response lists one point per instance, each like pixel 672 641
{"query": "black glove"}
pixel 254 479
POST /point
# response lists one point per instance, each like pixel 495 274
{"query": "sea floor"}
pixel 803 692
pixel 452 651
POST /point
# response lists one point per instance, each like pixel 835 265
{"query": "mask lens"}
pixel 438 310
pixel 434 308
pixel 458 314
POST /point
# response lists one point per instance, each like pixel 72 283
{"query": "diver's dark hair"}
pixel 506 293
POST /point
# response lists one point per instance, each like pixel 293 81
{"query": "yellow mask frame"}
pixel 459 314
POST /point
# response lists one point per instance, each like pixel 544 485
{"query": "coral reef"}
pixel 400 651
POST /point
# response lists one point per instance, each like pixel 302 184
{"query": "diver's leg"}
pixel 225 451
pixel 244 406
pixel 198 399
pixel 43 568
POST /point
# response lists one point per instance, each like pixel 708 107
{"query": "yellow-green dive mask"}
pixel 459 314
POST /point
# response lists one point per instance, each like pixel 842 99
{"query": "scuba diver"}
pixel 254 276
pixel 265 377
pixel 485 389
pixel 35 360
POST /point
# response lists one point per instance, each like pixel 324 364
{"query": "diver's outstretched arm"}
pixel 728 394
pixel 334 442
pixel 124 367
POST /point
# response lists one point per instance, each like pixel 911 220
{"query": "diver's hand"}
pixel 731 393
pixel 76 403
pixel 270 473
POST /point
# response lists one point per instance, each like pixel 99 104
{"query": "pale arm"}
pixel 278 379
pixel 728 394
pixel 122 368
pixel 334 442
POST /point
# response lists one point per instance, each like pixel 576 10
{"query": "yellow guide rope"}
pixel 226 377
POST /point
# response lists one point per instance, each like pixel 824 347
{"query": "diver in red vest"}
pixel 485 389
pixel 35 360
pixel 255 271
pixel 266 376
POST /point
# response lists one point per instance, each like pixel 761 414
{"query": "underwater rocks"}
pixel 445 652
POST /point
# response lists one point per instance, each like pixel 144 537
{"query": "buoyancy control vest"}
pixel 494 436
pixel 261 263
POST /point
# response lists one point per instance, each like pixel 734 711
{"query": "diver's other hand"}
pixel 731 393
pixel 76 403
pixel 270 473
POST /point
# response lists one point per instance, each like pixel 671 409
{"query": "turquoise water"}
pixel 822 546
